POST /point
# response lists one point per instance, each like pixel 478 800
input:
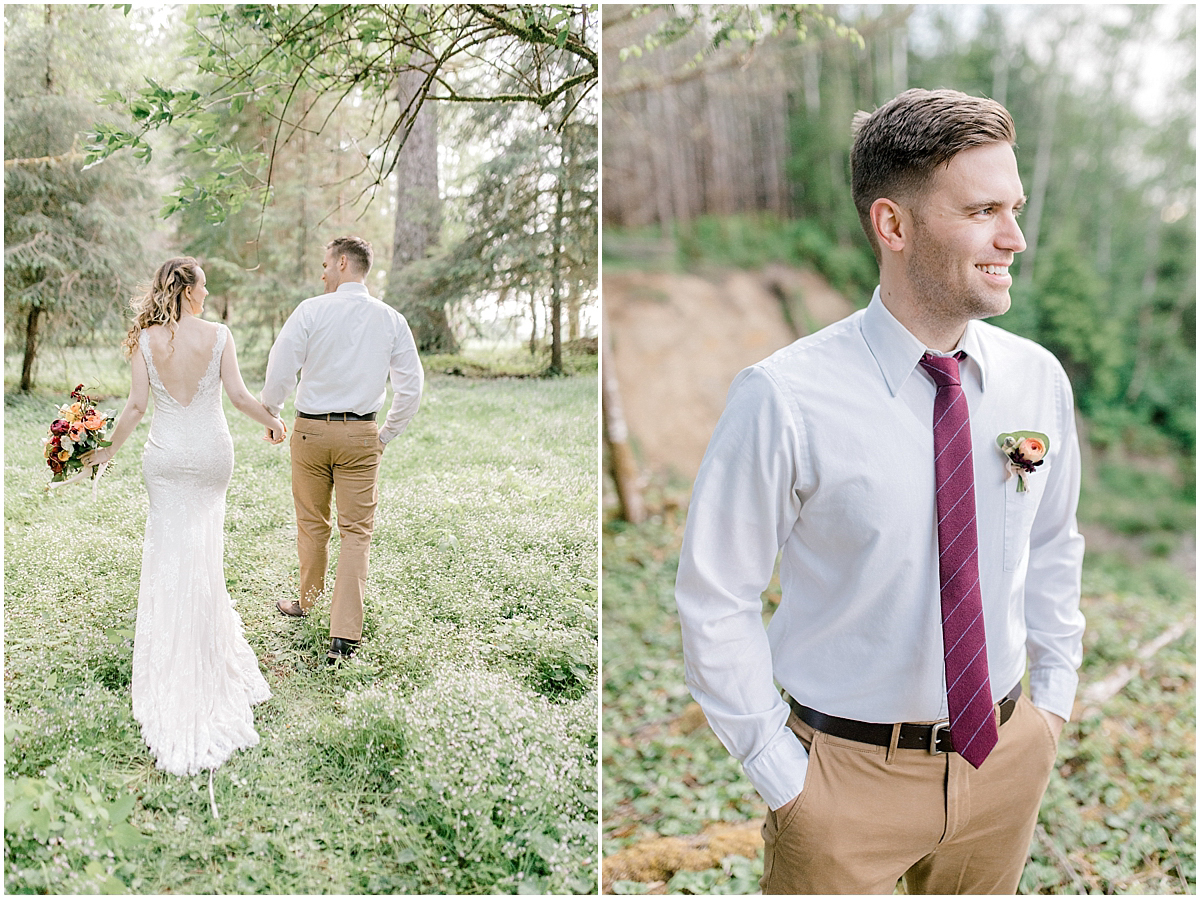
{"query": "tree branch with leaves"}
pixel 268 56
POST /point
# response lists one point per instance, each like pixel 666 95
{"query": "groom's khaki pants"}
pixel 869 815
pixel 335 458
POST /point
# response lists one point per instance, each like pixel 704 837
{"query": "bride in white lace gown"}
pixel 195 677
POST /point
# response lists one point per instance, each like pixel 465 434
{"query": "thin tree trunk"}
pixel 556 282
pixel 31 335
pixel 573 304
pixel 533 324
pixel 1041 180
pixel 418 220
pixel 623 466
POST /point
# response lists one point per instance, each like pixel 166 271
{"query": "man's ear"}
pixel 343 263
pixel 891 224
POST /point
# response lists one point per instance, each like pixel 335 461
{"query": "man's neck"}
pixel 933 332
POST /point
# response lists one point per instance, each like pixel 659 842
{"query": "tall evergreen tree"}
pixel 75 240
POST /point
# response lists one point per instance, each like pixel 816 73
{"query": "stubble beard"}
pixel 946 298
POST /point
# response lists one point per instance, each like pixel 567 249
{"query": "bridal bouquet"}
pixel 78 429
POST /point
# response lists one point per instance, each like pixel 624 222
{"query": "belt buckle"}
pixel 934 732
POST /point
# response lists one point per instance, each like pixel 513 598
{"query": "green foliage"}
pixel 280 60
pixel 741 25
pixel 500 783
pixel 673 778
pixel 738 876
pixel 486 522
pixel 71 837
pixel 527 225
pixel 749 242
pixel 1072 325
pixel 1119 815
pixel 752 241
pixel 1139 501
pixel 74 238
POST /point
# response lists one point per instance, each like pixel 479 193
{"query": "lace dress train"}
pixel 195 677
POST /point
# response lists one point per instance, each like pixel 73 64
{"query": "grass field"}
pixel 457 754
pixel 679 816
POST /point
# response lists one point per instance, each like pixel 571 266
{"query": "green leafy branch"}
pixel 737 29
pixel 281 60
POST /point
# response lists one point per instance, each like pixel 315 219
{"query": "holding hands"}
pixel 276 431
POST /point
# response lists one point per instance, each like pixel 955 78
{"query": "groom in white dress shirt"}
pixel 345 345
pixel 826 451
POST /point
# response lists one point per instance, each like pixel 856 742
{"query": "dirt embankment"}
pixel 678 341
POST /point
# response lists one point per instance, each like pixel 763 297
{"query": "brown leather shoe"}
pixel 291 608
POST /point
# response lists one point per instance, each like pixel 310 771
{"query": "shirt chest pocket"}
pixel 1020 508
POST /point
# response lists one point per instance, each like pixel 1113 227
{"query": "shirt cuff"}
pixel 778 772
pixel 1053 689
pixel 273 409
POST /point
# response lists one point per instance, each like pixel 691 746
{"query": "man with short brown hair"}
pixel 919 470
pixel 345 345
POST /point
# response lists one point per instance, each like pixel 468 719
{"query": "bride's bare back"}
pixel 182 360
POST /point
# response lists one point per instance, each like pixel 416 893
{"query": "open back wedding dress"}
pixel 195 677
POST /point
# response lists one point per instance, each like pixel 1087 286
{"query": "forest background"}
pixel 726 144
pixel 458 753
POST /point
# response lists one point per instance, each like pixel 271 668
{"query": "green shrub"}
pixel 61 835
pixel 490 771
pixel 91 720
pixel 558 662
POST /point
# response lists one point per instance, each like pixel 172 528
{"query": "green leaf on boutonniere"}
pixel 1018 436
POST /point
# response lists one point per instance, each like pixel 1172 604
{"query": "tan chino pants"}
pixel 335 458
pixel 871 815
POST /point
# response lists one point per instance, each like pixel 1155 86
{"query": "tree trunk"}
pixel 49 76
pixel 532 324
pixel 418 219
pixel 556 367
pixel 31 335
pixel 573 308
pixel 623 466
pixel 1041 180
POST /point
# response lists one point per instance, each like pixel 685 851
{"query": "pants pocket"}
pixel 778 823
pixel 1043 727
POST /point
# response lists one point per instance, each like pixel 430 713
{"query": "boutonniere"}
pixel 1025 451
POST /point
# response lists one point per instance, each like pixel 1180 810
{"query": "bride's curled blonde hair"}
pixel 162 304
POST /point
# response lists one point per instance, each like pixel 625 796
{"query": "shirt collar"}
pixel 355 287
pixel 897 350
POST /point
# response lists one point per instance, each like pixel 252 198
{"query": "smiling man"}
pixel 919 470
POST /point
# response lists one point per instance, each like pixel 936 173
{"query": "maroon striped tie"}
pixel 968 690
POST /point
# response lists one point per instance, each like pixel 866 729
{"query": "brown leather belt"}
pixel 337 416
pixel 933 738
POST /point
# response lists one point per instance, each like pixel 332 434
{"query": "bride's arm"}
pixel 131 415
pixel 242 399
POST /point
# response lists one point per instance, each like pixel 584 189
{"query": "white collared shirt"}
pixel 345 345
pixel 825 449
